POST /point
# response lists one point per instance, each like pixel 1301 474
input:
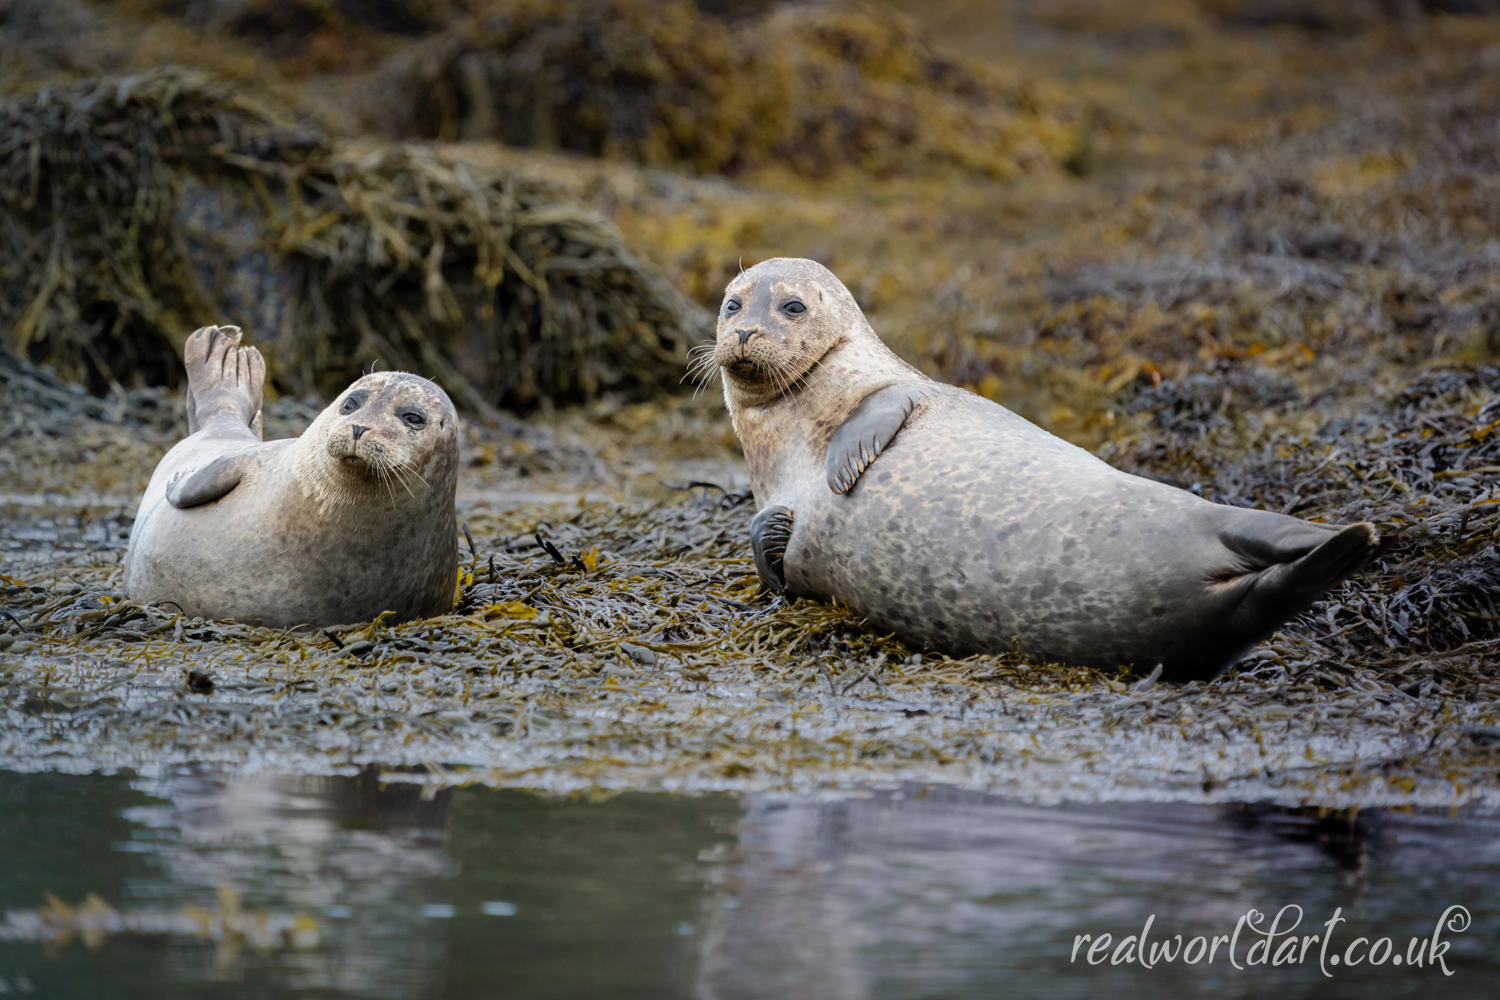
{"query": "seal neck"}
pixel 786 437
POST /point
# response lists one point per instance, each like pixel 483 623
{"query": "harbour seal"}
pixel 353 518
pixel 963 528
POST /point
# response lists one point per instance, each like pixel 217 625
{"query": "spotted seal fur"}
pixel 963 528
pixel 353 518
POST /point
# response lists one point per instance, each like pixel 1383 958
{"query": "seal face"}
pixel 963 528
pixel 353 518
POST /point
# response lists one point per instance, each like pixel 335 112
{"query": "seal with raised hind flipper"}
pixel 963 528
pixel 354 518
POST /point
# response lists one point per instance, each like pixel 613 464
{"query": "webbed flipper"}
pixel 866 432
pixel 1298 583
pixel 1289 563
pixel 209 483
pixel 770 532
pixel 223 377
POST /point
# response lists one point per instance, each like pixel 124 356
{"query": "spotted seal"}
pixel 963 528
pixel 353 518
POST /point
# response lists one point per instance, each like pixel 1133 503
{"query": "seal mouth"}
pixel 746 370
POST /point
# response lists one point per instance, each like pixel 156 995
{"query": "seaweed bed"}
pixel 628 644
pixel 1266 273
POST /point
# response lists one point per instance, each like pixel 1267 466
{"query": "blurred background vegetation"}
pixel 1070 206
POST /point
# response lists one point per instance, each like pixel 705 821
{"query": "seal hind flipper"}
pixel 223 377
pixel 1270 593
pixel 770 531
pixel 1264 538
pixel 1290 587
pixel 865 433
pixel 212 482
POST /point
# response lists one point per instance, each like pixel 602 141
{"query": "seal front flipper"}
pixel 866 432
pixel 209 483
pixel 770 531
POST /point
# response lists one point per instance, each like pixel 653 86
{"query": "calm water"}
pixel 919 893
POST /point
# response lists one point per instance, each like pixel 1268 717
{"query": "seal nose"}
pixel 745 335
pixel 358 431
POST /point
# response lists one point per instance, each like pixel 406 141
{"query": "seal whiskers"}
pixel 701 365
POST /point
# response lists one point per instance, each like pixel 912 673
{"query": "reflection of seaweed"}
pixel 1349 838
pixel 93 921
pixel 813 88
pixel 137 208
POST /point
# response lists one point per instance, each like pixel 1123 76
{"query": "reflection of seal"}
pixel 961 527
pixel 353 518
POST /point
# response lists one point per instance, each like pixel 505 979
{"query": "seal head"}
pixel 388 435
pixel 777 322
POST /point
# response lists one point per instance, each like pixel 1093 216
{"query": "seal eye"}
pixel 793 308
pixel 351 404
pixel 413 418
pixel 731 307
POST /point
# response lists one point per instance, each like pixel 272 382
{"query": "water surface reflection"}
pixel 463 893
pixel 910 893
pixel 942 893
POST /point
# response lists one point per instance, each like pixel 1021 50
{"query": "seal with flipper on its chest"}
pixel 963 528
pixel 354 518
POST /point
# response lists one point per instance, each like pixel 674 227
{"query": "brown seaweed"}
pixel 141 207
pixel 609 643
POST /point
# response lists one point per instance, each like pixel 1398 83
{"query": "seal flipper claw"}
pixel 212 482
pixel 770 531
pixel 865 433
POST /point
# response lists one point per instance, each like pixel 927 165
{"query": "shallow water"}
pixel 344 887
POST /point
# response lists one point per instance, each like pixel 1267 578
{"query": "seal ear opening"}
pixel 212 482
pixel 865 433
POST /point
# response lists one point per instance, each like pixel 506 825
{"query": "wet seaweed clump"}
pixel 811 88
pixel 141 207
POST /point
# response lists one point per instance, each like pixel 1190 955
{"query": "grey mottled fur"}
pixel 975 530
